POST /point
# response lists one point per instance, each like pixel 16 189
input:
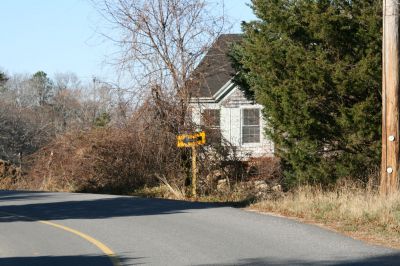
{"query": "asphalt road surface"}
pixel 85 229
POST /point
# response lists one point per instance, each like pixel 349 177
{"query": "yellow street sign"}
pixel 190 140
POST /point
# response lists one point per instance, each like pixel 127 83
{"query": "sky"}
pixel 58 36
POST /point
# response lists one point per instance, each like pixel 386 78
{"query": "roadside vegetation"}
pixel 353 209
pixel 316 68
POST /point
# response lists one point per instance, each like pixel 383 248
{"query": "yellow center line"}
pixel 106 250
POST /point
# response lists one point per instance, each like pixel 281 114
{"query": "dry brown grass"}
pixel 238 194
pixel 358 212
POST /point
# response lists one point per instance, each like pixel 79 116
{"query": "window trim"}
pixel 242 125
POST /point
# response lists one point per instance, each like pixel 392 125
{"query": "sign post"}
pixel 194 171
pixel 192 140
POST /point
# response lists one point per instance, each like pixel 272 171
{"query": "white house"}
pixel 216 102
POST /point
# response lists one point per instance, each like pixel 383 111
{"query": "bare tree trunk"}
pixel 161 43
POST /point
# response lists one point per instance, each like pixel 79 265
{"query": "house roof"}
pixel 215 69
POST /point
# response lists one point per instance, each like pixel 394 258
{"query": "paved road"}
pixel 79 229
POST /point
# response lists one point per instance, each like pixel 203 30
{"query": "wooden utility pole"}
pixel 390 98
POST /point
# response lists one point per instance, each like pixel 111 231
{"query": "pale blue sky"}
pixel 60 36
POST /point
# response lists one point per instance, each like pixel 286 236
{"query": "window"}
pixel 210 121
pixel 251 126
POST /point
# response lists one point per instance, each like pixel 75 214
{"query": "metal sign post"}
pixel 192 140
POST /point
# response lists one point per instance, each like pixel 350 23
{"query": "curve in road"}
pixel 165 232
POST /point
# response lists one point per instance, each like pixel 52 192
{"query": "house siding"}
pixel 231 110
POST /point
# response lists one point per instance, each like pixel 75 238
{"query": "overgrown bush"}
pixel 124 159
pixel 107 160
pixel 22 130
pixel 10 175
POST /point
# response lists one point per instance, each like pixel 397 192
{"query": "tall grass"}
pixel 357 211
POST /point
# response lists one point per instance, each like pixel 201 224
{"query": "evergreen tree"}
pixel 3 81
pixel 102 120
pixel 43 87
pixel 315 65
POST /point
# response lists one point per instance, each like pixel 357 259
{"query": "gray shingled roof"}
pixel 215 69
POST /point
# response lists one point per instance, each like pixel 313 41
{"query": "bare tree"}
pixel 32 113
pixel 19 91
pixel 66 81
pixel 22 131
pixel 161 42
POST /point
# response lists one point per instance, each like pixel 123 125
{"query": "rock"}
pixel 213 176
pixel 277 188
pixel 259 182
pixel 222 184
pixel 261 185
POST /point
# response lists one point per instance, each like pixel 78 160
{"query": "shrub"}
pixel 315 66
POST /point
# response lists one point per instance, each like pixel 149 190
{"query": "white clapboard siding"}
pixel 231 107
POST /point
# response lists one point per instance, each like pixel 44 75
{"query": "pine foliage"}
pixel 315 65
